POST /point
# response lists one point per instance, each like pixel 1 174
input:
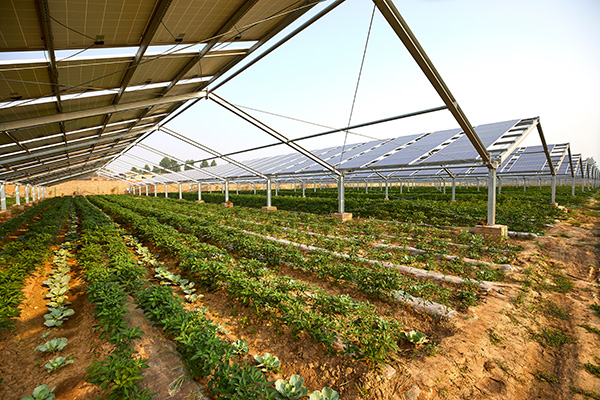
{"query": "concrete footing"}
pixel 200 201
pixel 342 216
pixel 272 208
pixel 492 230
pixel 227 204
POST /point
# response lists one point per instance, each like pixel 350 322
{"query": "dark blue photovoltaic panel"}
pixel 378 151
pixel 417 149
pixel 351 149
pixel 324 154
pixel 531 160
pixel 462 149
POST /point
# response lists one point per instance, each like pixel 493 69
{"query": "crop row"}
pixel 376 280
pixel 305 308
pixel 23 255
pixel 521 211
pixel 375 251
pixel 197 337
pixel 24 218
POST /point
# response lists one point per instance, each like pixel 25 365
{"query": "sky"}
pixel 501 60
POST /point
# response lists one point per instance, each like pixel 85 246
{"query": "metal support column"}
pixel 226 191
pixel 166 191
pixel 269 192
pixel 180 194
pixel 33 194
pixel 553 189
pixel 387 191
pixel 26 194
pixel 401 185
pixel 303 189
pixel 341 194
pixel 499 185
pixel 572 186
pixel 17 195
pixel 524 184
pixel 491 211
pixel 146 187
pixel 453 189
pixel 199 191
pixel 3 196
pixel 155 190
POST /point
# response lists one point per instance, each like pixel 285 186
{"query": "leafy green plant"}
pixel 415 337
pixel 53 345
pixel 240 347
pixel 268 363
pixel 42 392
pixel 57 363
pixel 292 390
pixel 57 316
pixel 326 393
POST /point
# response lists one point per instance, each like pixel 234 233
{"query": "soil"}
pixel 526 342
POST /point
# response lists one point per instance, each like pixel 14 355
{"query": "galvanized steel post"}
pixel 269 192
pixel 17 195
pixel 491 211
pixel 341 194
pixel 226 191
pixel 3 196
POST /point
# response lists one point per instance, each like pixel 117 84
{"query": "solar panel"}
pixel 415 150
pixel 462 149
pixel 379 151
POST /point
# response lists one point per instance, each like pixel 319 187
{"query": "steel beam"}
pixel 546 151
pixel 400 27
pixel 160 153
pixel 272 132
pixel 187 178
pixel 211 151
pixel 56 118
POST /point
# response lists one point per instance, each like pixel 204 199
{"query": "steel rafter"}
pixel 211 151
pixel 400 27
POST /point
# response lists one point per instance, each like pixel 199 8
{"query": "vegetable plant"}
pixel 240 347
pixel 268 362
pixel 415 337
pixel 326 394
pixel 42 392
pixel 57 363
pixel 53 345
pixel 57 316
pixel 292 390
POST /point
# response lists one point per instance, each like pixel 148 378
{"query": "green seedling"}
pixel 415 337
pixel 292 390
pixel 56 344
pixel 57 363
pixel 240 347
pixel 268 363
pixel 325 394
pixel 42 392
pixel 57 316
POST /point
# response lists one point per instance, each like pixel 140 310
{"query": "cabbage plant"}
pixel 326 394
pixel 414 337
pixel 53 345
pixel 42 392
pixel 268 363
pixel 292 390
pixel 57 363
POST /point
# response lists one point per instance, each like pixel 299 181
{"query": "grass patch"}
pixel 593 369
pixel 551 309
pixel 494 337
pixel 586 393
pixel 553 338
pixel 596 309
pixel 590 329
pixel 543 376
pixel 562 284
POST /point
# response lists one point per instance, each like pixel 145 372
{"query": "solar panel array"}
pixel 405 156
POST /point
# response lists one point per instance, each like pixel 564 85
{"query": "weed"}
pixel 543 376
pixel 593 369
pixel 494 337
pixel 552 309
pixel 364 392
pixel 586 393
pixel 596 309
pixel 590 329
pixel 553 337
pixel 562 284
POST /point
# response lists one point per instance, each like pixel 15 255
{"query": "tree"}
pixel 203 164
pixel 213 163
pixel 147 167
pixel 157 170
pixel 134 169
pixel 169 165
pixel 188 165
